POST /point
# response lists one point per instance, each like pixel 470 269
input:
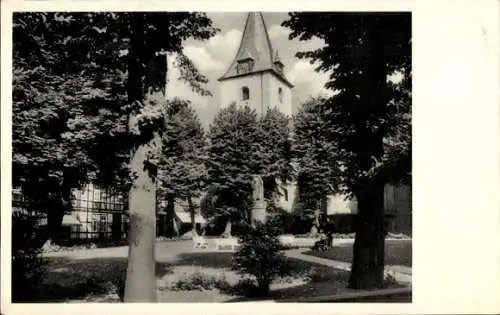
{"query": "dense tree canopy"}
pixel 70 106
pixel 361 51
pixel 371 116
pixel 70 86
pixel 316 154
pixel 241 145
pixel 233 158
pixel 182 160
pixel 113 65
pixel 182 173
pixel 277 155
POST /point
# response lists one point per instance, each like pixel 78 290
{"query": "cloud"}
pixel 213 56
pixel 223 46
pixel 277 31
pixel 203 60
pixel 307 81
pixel 178 88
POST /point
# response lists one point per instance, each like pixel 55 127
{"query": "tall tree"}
pixel 276 152
pixel 232 161
pixel 62 108
pixel 361 50
pixel 118 65
pixel 316 156
pixel 182 173
pixel 241 145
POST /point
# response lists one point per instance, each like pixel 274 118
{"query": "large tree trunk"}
pixel 54 225
pixel 368 253
pixel 141 283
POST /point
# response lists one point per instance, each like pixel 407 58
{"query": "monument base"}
pixel 259 213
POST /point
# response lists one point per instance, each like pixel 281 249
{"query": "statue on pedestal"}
pixel 259 204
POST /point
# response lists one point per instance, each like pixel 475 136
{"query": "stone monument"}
pixel 259 204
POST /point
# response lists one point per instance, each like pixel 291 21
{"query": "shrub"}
pixel 285 219
pixel 244 287
pixel 261 256
pixel 27 263
pixel 200 281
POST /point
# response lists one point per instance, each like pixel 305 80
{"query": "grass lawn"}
pixel 93 276
pixel 397 253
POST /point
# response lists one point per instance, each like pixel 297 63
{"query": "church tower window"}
pixel 280 95
pixel 245 64
pixel 245 93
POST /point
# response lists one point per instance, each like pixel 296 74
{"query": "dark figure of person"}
pixel 330 238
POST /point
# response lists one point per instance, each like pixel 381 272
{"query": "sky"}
pixel 214 56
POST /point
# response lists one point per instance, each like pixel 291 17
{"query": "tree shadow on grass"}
pixel 68 279
pixel 75 279
pixel 295 293
pixel 396 253
pixel 72 279
pixel 209 260
pixel 321 280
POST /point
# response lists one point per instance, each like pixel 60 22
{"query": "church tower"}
pixel 255 77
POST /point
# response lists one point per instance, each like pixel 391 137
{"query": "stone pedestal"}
pixel 314 231
pixel 259 205
pixel 259 212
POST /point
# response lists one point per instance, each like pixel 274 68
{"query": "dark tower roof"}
pixel 256 45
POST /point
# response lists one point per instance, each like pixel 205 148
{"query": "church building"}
pixel 256 78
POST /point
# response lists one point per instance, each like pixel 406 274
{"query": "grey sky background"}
pixel 214 56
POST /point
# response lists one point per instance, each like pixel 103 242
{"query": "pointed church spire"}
pixel 245 56
pixel 277 57
pixel 278 65
pixel 255 53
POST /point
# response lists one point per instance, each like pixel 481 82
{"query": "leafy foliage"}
pixel 260 255
pixel 27 263
pixel 182 173
pixel 281 217
pixel 277 155
pixel 241 145
pixel 361 51
pixel 84 101
pixel 372 126
pixel 233 157
pixel 200 281
pixel 316 153
pixel 181 163
pixel 75 81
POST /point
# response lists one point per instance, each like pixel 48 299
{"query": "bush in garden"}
pixel 200 281
pixel 284 219
pixel 244 287
pixel 27 263
pixel 261 255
